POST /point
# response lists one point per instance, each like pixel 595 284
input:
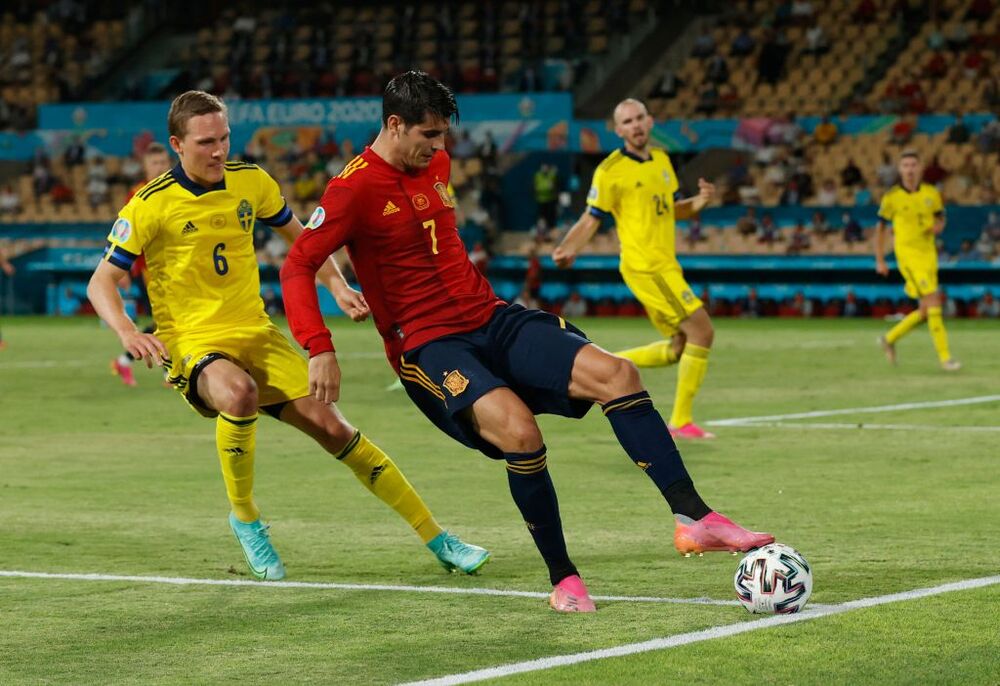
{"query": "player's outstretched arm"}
pixel 881 268
pixel 574 240
pixel 687 208
pixel 349 300
pixel 103 294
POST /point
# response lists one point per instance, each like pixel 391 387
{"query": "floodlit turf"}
pixel 99 478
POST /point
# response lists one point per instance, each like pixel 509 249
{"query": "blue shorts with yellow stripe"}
pixel 529 351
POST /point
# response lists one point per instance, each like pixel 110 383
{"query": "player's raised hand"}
pixel 144 346
pixel 353 304
pixel 706 191
pixel 324 378
pixel 563 257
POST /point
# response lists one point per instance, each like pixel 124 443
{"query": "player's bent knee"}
pixel 521 436
pixel 336 434
pixel 240 397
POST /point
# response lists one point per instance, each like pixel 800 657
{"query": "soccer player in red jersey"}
pixel 480 369
pixel 155 161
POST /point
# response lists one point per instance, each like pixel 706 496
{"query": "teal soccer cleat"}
pixel 453 554
pixel 260 555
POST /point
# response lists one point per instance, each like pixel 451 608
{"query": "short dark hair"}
pixel 191 104
pixel 154 148
pixel 414 95
pixel 909 153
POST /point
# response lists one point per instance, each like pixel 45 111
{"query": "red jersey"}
pixel 401 235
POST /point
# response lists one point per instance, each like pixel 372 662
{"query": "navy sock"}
pixel 535 496
pixel 644 436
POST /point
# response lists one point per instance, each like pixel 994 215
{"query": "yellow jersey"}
pixel 198 245
pixel 912 217
pixel 639 194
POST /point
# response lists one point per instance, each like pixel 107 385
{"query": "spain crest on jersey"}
pixel 245 214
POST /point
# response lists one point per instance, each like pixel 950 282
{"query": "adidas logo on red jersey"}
pixel 390 208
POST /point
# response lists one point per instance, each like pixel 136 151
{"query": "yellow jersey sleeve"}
pixel 135 227
pixel 885 209
pixel 274 211
pixel 603 196
pixel 937 204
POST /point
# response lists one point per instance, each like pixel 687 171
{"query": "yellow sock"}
pixel 935 322
pixel 905 326
pixel 380 475
pixel 659 354
pixel 690 373
pixel 236 441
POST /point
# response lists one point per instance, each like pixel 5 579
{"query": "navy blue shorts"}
pixel 529 351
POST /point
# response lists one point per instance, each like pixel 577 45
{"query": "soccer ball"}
pixel 775 579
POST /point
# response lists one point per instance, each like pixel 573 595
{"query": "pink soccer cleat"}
pixel 570 595
pixel 124 371
pixel 690 431
pixel 715 532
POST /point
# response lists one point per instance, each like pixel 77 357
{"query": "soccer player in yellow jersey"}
pixel 636 185
pixel 916 213
pixel 194 224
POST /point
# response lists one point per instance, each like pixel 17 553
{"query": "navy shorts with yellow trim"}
pixel 529 351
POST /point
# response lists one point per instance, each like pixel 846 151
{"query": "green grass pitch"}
pixel 99 478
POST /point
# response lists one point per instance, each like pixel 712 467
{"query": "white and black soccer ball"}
pixel 775 579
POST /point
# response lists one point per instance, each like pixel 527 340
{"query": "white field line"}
pixel 698 636
pixel 180 581
pixel 744 421
pixel 856 426
pixel 46 364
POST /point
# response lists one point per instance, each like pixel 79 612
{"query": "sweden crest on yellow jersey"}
pixel 245 214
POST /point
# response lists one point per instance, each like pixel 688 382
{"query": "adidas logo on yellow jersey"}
pixel 188 228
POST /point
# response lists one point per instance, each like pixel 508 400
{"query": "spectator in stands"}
pixel 784 131
pixel 771 61
pixel 767 231
pixel 800 241
pixel 863 196
pixel 969 174
pixel 41 177
pixel 574 307
pixel 464 148
pixel 547 195
pixel 902 130
pixel 479 257
pixel 10 202
pixel 704 45
pixel 886 172
pixel 305 189
pixel 967 252
pixel 851 304
pixel 525 299
pixel 717 70
pixel 708 99
pixel 131 171
pixel 743 44
pixel 803 179
pixel 695 233
pixel 850 175
pixel 944 254
pixel 826 131
pixel 97 191
pixel 991 92
pixel 97 169
pixel 533 272
pixel 820 226
pixel 937 66
pixel 934 173
pixel 988 307
pixel 827 195
pixel 61 193
pixel 667 86
pixel 747 224
pixel 817 42
pixel 959 132
pixel 853 233
pixel 974 64
pixel 957 36
pixel 802 12
pixel 936 40
pixel 790 195
pixel 989 136
pixel 487 152
pixel 273 304
pixel 751 306
pixel 74 153
pixel 864 12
